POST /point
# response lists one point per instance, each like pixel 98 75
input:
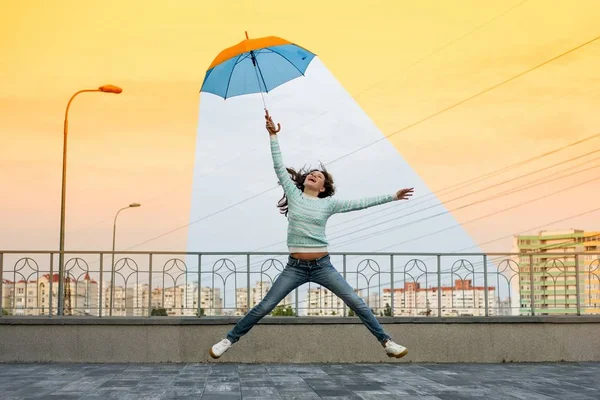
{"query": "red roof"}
pixel 55 278
pixel 460 284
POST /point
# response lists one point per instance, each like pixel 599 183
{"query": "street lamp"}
pixel 61 256
pixel 112 274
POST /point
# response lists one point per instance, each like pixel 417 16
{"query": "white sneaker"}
pixel 393 349
pixel 218 349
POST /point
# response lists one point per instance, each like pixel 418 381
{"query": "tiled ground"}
pixel 302 382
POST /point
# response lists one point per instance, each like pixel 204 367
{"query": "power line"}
pixel 493 260
pixel 476 219
pixel 455 186
pixel 427 197
pixel 523 231
pixel 511 191
pixel 465 223
pixel 488 242
pixel 466 100
pixel 501 238
pixel 203 218
pixel 422 198
pixel 490 214
pixel 439 49
pixel 445 46
pixel 389 135
pixel 475 192
pixel 530 229
pixel 487 175
pixel 459 185
pixel 481 244
pixel 206 174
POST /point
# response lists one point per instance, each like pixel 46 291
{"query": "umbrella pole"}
pixel 255 62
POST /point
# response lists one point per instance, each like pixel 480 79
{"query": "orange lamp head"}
pixel 110 89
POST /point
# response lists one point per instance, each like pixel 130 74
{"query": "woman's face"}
pixel 315 181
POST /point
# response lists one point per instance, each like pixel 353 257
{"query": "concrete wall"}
pixel 300 340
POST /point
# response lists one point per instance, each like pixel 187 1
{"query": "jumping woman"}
pixel 308 203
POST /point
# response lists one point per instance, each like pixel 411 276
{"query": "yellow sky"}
pixel 139 146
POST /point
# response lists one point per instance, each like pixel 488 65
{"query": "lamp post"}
pixel 112 274
pixel 61 255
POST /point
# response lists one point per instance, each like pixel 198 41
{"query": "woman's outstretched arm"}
pixel 342 206
pixel 280 169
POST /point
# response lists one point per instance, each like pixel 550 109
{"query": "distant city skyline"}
pixel 31 298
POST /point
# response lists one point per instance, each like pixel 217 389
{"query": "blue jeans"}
pixel 296 273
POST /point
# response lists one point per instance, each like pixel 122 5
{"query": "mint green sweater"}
pixel 307 215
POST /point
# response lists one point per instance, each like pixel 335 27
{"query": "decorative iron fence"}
pixel 143 284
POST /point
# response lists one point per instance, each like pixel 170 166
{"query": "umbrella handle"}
pixel 278 124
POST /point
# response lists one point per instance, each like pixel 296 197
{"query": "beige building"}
pixel 7 296
pixel 181 300
pixel 505 308
pixel 25 298
pixel 257 293
pixel 373 300
pixel 122 301
pixel 321 301
pixel 33 297
pixel 175 301
pixel 211 302
pixel 141 297
pixel 462 299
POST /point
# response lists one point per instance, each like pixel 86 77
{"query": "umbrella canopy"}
pixel 255 66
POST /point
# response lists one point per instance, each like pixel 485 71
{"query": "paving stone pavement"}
pixel 571 381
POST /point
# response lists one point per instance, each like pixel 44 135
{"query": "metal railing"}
pixel 218 284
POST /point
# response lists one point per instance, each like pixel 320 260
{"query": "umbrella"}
pixel 255 66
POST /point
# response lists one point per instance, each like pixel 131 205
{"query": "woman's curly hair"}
pixel 299 177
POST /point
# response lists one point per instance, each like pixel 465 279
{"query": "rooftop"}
pixel 293 381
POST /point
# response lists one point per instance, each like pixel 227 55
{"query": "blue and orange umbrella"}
pixel 255 66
